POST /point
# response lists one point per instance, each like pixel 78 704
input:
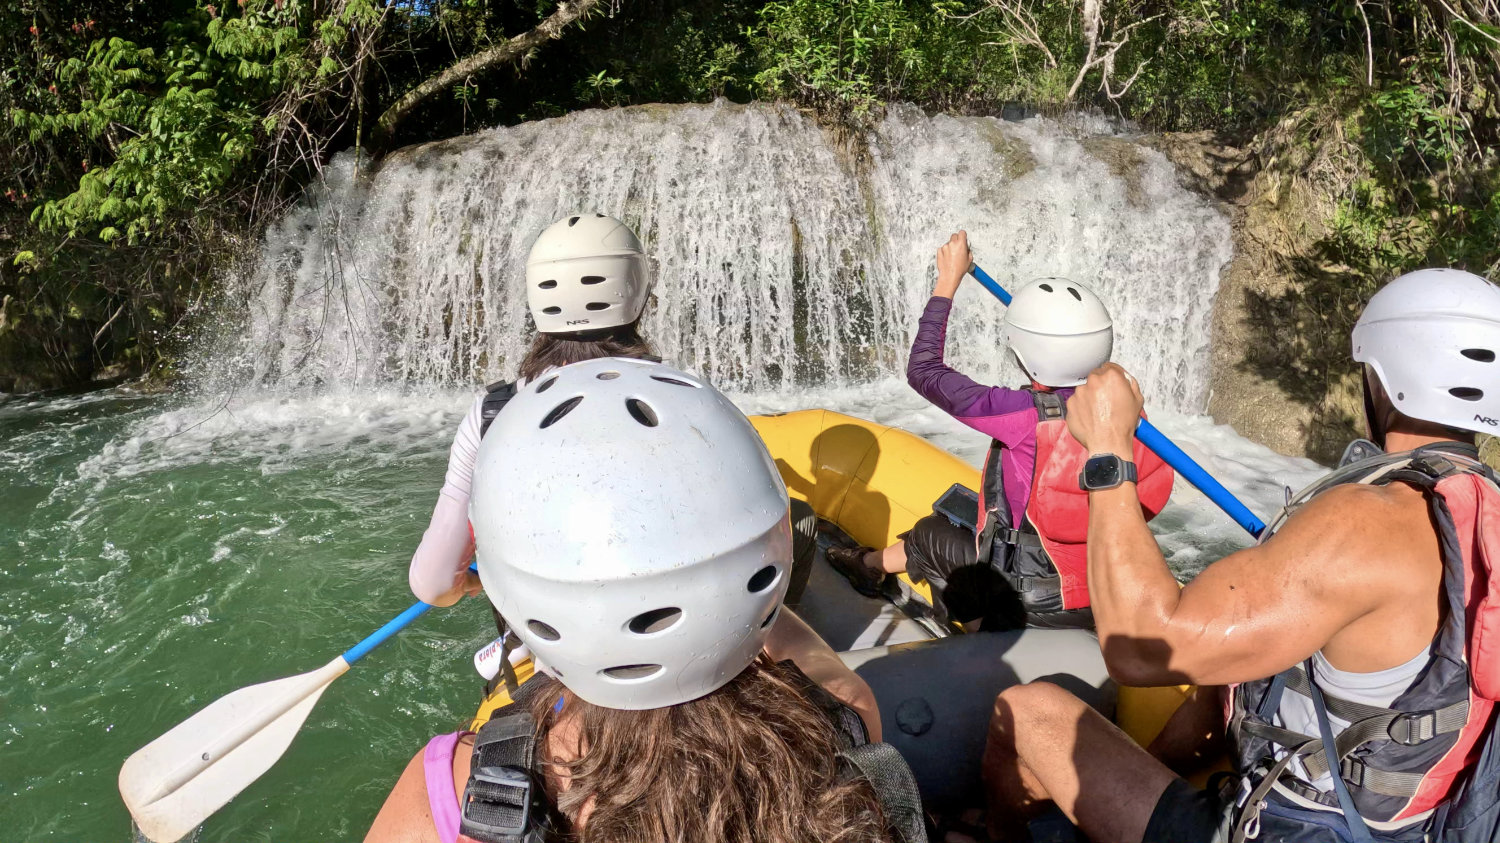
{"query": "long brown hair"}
pixel 549 351
pixel 753 762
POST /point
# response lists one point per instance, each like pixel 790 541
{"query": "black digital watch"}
pixel 1105 471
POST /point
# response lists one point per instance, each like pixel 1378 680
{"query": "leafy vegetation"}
pixel 145 144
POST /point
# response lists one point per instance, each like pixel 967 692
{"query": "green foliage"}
pixel 145 140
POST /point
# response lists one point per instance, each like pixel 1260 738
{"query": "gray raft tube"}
pixel 936 697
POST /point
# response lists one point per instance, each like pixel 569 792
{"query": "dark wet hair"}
pixel 550 351
pixel 753 762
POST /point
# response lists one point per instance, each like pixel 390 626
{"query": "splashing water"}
pixel 160 552
pixel 781 259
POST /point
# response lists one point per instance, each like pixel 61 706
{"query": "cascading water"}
pixel 781 259
pixel 169 549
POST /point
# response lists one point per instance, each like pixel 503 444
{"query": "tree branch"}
pixel 516 49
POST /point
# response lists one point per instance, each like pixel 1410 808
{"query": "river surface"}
pixel 158 552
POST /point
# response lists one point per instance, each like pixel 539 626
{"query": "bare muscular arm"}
pixel 1356 559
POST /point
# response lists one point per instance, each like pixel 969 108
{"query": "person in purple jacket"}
pixel 1059 331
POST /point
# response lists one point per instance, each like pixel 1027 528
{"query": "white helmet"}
pixel 1432 337
pixel 584 273
pixel 632 530
pixel 1059 331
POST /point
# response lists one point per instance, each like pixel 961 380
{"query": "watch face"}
pixel 1101 472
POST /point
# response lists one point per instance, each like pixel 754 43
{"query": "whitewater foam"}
pixel 783 258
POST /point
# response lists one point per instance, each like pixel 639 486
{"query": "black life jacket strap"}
pixel 882 766
pixel 1049 406
pixel 504 801
pixel 496 396
pixel 1367 723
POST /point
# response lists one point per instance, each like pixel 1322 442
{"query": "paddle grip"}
pixel 1163 447
pixel 393 626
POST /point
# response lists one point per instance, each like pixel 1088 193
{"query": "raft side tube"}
pixel 936 696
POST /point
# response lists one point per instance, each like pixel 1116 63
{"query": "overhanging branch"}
pixel 516 49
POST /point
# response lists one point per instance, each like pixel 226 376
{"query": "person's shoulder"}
pixel 1359 503
pixel 1364 522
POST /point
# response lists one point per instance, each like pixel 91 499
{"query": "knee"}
pixel 1033 702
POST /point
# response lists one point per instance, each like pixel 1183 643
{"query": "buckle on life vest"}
pixel 499 801
pixel 1411 728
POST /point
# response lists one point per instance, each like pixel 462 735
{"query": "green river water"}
pixel 159 552
pixel 136 591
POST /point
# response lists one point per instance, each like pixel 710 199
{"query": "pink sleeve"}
pixel 437 567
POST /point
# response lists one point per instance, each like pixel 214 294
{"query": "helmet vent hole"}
pixel 1482 355
pixel 641 412
pixel 656 620
pixel 572 221
pixel 548 284
pixel 1466 393
pixel 1075 294
pixel 592 279
pixel 597 305
pixel 607 376
pixel 546 384
pixel 542 630
pixel 675 381
pixel 771 617
pixel 552 311
pixel 632 672
pixel 762 579
pixel 1047 287
pixel 561 410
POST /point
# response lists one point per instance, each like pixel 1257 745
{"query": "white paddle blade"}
pixel 176 782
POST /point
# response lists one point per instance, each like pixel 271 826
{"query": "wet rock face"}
pixel 1280 368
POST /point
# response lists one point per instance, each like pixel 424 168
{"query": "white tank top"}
pixel 1380 689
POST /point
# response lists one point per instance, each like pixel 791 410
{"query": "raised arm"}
pixel 1253 613
pixel 948 389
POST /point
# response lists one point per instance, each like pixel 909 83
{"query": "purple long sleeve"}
pixel 950 390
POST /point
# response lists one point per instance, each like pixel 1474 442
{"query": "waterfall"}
pixel 783 257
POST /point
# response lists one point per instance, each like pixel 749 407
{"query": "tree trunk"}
pixel 516 49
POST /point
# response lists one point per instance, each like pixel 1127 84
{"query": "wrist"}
pixel 945 289
pixel 1122 448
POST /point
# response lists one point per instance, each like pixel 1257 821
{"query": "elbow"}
pixel 1142 662
pixel 1127 671
pixel 917 378
pixel 425 591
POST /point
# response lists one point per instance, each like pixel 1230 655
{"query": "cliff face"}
pixel 1281 370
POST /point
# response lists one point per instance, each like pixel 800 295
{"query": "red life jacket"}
pixel 1428 767
pixel 1045 557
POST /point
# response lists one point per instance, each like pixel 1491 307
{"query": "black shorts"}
pixel 1185 814
pixel 942 553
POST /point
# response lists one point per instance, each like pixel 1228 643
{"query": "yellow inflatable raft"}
pixel 873 482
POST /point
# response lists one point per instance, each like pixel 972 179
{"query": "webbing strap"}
pixel 496 396
pixel 1356 823
pixel 1018 537
pixel 502 802
pixel 1407 728
pixel 1384 782
pixel 894 785
pixel 1048 406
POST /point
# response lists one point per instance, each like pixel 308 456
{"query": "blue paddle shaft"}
pixel 379 636
pixel 1195 474
pixel 393 626
pixel 1163 447
pixel 990 284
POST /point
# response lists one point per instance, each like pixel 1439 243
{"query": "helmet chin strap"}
pixel 1372 420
